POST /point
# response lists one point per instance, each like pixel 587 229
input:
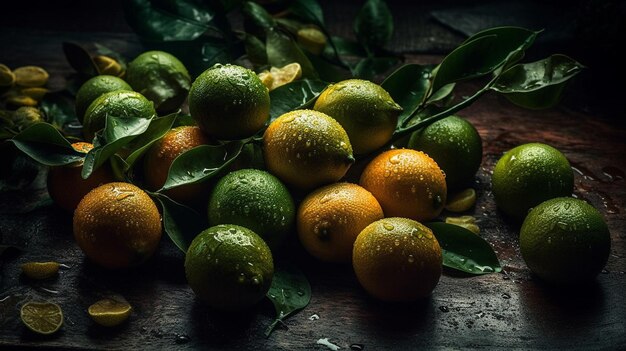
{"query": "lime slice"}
pixel 462 201
pixel 110 312
pixel 42 317
pixel 40 270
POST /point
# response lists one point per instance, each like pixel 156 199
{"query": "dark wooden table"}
pixel 509 310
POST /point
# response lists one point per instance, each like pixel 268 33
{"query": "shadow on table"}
pixel 567 313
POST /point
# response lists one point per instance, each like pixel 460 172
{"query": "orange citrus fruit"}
pixel 67 187
pixel 306 149
pixel 331 217
pixel 117 225
pixel 397 259
pixel 407 183
pixel 162 154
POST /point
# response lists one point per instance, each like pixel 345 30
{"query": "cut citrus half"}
pixel 40 270
pixel 110 312
pixel 462 201
pixel 286 74
pixel 42 317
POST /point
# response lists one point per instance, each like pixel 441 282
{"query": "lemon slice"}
pixel 462 201
pixel 40 270
pixel 110 312
pixel 286 74
pixel 267 79
pixel 42 317
pixel 467 222
pixel 31 76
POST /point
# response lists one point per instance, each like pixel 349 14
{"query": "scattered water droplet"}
pixel 388 226
pixel 314 317
pixel 505 296
pixel 444 309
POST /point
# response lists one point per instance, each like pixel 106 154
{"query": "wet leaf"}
pixel 328 70
pixel 80 59
pixel 256 19
pixel 201 163
pixel 117 133
pixel 408 86
pixel 295 95
pixel 481 54
pixel 283 50
pixel 290 292
pixel 168 20
pixel 374 25
pixel 45 144
pixel 539 84
pixel 180 222
pixel 157 129
pixel 464 250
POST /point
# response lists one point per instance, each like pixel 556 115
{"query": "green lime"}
pixel 161 78
pixel 120 103
pixel 93 89
pixel 229 102
pixel 229 267
pixel 528 175
pixel 455 145
pixel 364 109
pixel 565 241
pixel 256 200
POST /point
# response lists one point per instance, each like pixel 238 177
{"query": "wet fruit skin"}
pixel 330 218
pixel 162 154
pixel 565 241
pixel 117 225
pixel 397 259
pixel 407 183
pixel 229 102
pixel 256 200
pixel 307 149
pixel 229 267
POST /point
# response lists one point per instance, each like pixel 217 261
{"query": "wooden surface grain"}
pixel 511 310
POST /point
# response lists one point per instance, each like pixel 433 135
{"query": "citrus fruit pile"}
pixel 293 183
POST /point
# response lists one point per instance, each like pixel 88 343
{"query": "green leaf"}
pixel 374 25
pixel 168 20
pixel 481 54
pixel 368 68
pixel 464 250
pixel 157 129
pixel 201 163
pixel 181 223
pixel 45 144
pixel 290 292
pixel 408 86
pixel 117 133
pixel 184 120
pixel 309 10
pixel 256 19
pixel 328 70
pixel 255 49
pixel 538 84
pixel 80 59
pixel 295 95
pixel 347 47
pixel 59 109
pixel 283 50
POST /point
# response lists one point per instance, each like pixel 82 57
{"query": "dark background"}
pixel 591 31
